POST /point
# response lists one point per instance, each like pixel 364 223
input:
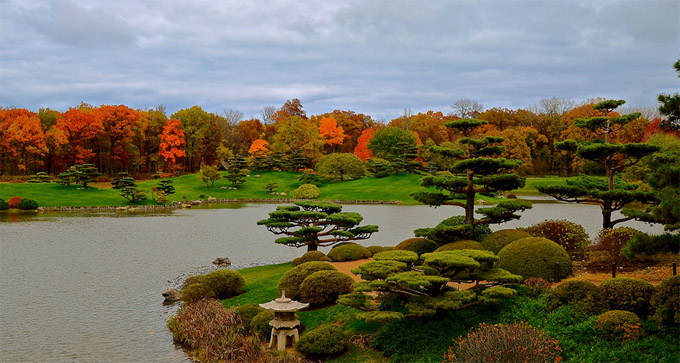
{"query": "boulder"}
pixel 171 295
pixel 222 262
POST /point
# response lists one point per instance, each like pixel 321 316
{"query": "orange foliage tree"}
pixel 22 141
pixel 117 123
pixel 361 150
pixel 259 147
pixel 172 143
pixel 329 131
pixel 81 130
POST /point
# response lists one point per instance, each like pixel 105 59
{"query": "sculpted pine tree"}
pixel 483 171
pixel 316 224
pixel 610 193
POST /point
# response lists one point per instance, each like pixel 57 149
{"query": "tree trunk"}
pixel 607 216
pixel 312 247
pixel 470 204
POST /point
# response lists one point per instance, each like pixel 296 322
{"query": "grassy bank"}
pixel 189 187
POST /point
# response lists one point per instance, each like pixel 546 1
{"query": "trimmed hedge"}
pixel 326 340
pixel 4 205
pixel 583 297
pixel 628 294
pixel 617 324
pixel 571 236
pixel 666 301
pixel 378 249
pixel 324 287
pixel 27 204
pixel 310 256
pixel 535 257
pixel 417 245
pixel 499 239
pixel 461 245
pixel 348 252
pixel 290 282
pixel 307 191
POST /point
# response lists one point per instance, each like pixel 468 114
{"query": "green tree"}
pixel 128 188
pixel 236 172
pixel 483 173
pixel 670 106
pixel 316 224
pixel 377 167
pixel 341 166
pixel 209 174
pixel 166 186
pixel 384 141
pixel 83 174
pixel 610 193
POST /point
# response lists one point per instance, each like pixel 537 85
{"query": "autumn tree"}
pixel 331 132
pixel 429 125
pixel 610 194
pixel 117 126
pixel 80 129
pixel 361 150
pixel 147 134
pixel 352 124
pixel 172 142
pixel 295 133
pixel 516 148
pixel 316 224
pixel 484 172
pixel 258 153
pixel 22 141
pixel 467 108
pixel 199 126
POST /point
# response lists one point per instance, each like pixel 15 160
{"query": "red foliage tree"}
pixel 172 143
pixel 361 150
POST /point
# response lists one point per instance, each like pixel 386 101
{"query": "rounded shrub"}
pixel 341 166
pixel 628 294
pixel 324 287
pixel 571 236
pixel 307 191
pixel 224 283
pixel 348 252
pixel 247 312
pixel 611 240
pixel 618 325
pixel 583 297
pixel 481 230
pixel 461 245
pixel 535 257
pixel 27 204
pixel 499 239
pixel 666 301
pixel 326 340
pixel 259 324
pixel 417 245
pixel 196 292
pixel 378 249
pixel 291 280
pixel 310 256
pixel 4 205
pixel 14 202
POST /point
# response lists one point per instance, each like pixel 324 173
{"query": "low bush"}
pixel 417 245
pixel 196 292
pixel 665 302
pixel 583 297
pixel 326 340
pixel 247 312
pixel 618 325
pixel 611 241
pixel 628 294
pixel 571 236
pixel 219 284
pixel 348 252
pixel 378 249
pixel 516 342
pixel 259 324
pixel 324 287
pixel 499 239
pixel 536 286
pixel 481 230
pixel 535 257
pixel 14 202
pixel 461 245
pixel 643 245
pixel 291 280
pixel 310 256
pixel 4 205
pixel 307 191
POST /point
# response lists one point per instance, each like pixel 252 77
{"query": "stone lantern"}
pixel 284 324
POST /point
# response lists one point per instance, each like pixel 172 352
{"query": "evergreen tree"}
pixel 166 186
pixel 236 172
pixel 128 188
pixel 670 106
pixel 209 174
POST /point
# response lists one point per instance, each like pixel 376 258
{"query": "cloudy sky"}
pixel 371 56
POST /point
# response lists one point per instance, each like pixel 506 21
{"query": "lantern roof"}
pixel 284 304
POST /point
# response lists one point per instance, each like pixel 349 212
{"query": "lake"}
pixel 83 287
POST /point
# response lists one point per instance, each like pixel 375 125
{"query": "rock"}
pixel 186 205
pixel 122 209
pixel 222 262
pixel 480 201
pixel 224 187
pixel 196 202
pixel 211 198
pixel 282 193
pixel 512 196
pixel 171 295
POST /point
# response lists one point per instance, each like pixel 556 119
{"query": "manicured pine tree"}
pixel 236 173
pixel 128 188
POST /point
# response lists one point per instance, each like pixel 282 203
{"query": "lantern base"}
pixel 280 337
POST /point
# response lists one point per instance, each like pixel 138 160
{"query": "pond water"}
pixel 83 287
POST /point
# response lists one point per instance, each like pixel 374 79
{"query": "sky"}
pixel 375 57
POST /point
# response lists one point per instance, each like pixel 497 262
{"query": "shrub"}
pixel 341 166
pixel 535 257
pixel 259 324
pixel 583 297
pixel 571 236
pixel 310 256
pixel 628 294
pixel 644 244
pixel 27 204
pixel 325 340
pixel 618 325
pixel 378 249
pixel 247 312
pixel 516 342
pixel 382 174
pixel 417 245
pixel 666 301
pixel 611 241
pixel 481 230
pixel 461 245
pixel 291 280
pixel 536 286
pixel 196 292
pixel 220 284
pixel 348 252
pixel 14 202
pixel 306 191
pixel 4 205
pixel 323 287
pixel 499 239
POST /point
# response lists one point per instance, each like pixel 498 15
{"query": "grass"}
pixel 261 284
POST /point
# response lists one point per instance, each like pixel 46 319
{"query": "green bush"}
pixel 4 205
pixel 461 245
pixel 535 257
pixel 247 312
pixel 644 244
pixel 628 294
pixel 324 287
pixel 259 324
pixel 618 325
pixel 341 166
pixel 348 252
pixel 499 239
pixel 571 236
pixel 611 241
pixel 382 174
pixel 310 256
pixel 666 301
pixel 291 280
pixel 417 245
pixel 326 340
pixel 224 283
pixel 378 249
pixel 583 297
pixel 307 191
pixel 196 292
pixel 481 230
